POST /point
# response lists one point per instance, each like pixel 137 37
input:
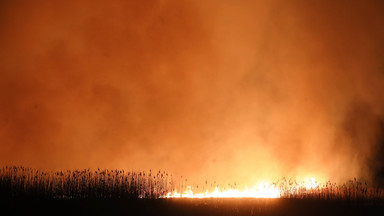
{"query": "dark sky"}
pixel 240 90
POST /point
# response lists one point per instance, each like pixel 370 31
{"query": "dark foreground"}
pixel 189 207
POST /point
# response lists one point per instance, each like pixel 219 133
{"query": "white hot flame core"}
pixel 258 191
pixel 261 190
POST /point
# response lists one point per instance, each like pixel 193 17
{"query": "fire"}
pixel 260 190
pixel 311 183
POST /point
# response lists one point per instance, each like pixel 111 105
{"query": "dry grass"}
pixel 22 181
pixel 18 181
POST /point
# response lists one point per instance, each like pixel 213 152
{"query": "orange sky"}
pixel 240 90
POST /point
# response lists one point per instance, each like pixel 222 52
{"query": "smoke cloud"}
pixel 225 90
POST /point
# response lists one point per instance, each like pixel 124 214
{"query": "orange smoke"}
pixel 226 90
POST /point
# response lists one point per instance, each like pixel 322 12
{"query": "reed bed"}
pixel 19 181
pixel 350 190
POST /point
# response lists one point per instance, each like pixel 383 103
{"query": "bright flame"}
pixel 311 183
pixel 261 190
pixel 258 191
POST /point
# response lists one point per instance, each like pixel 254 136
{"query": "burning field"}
pixel 99 192
pixel 227 107
pixel 26 182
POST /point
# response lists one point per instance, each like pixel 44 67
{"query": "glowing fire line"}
pixel 261 190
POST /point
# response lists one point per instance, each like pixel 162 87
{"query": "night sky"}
pixel 228 90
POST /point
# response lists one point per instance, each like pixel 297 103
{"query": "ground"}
pixel 190 207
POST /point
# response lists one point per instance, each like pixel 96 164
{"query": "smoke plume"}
pixel 227 90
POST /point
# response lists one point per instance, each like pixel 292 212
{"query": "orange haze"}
pixel 228 90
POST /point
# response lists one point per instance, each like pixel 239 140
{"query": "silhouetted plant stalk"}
pixel 19 181
pixel 350 190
